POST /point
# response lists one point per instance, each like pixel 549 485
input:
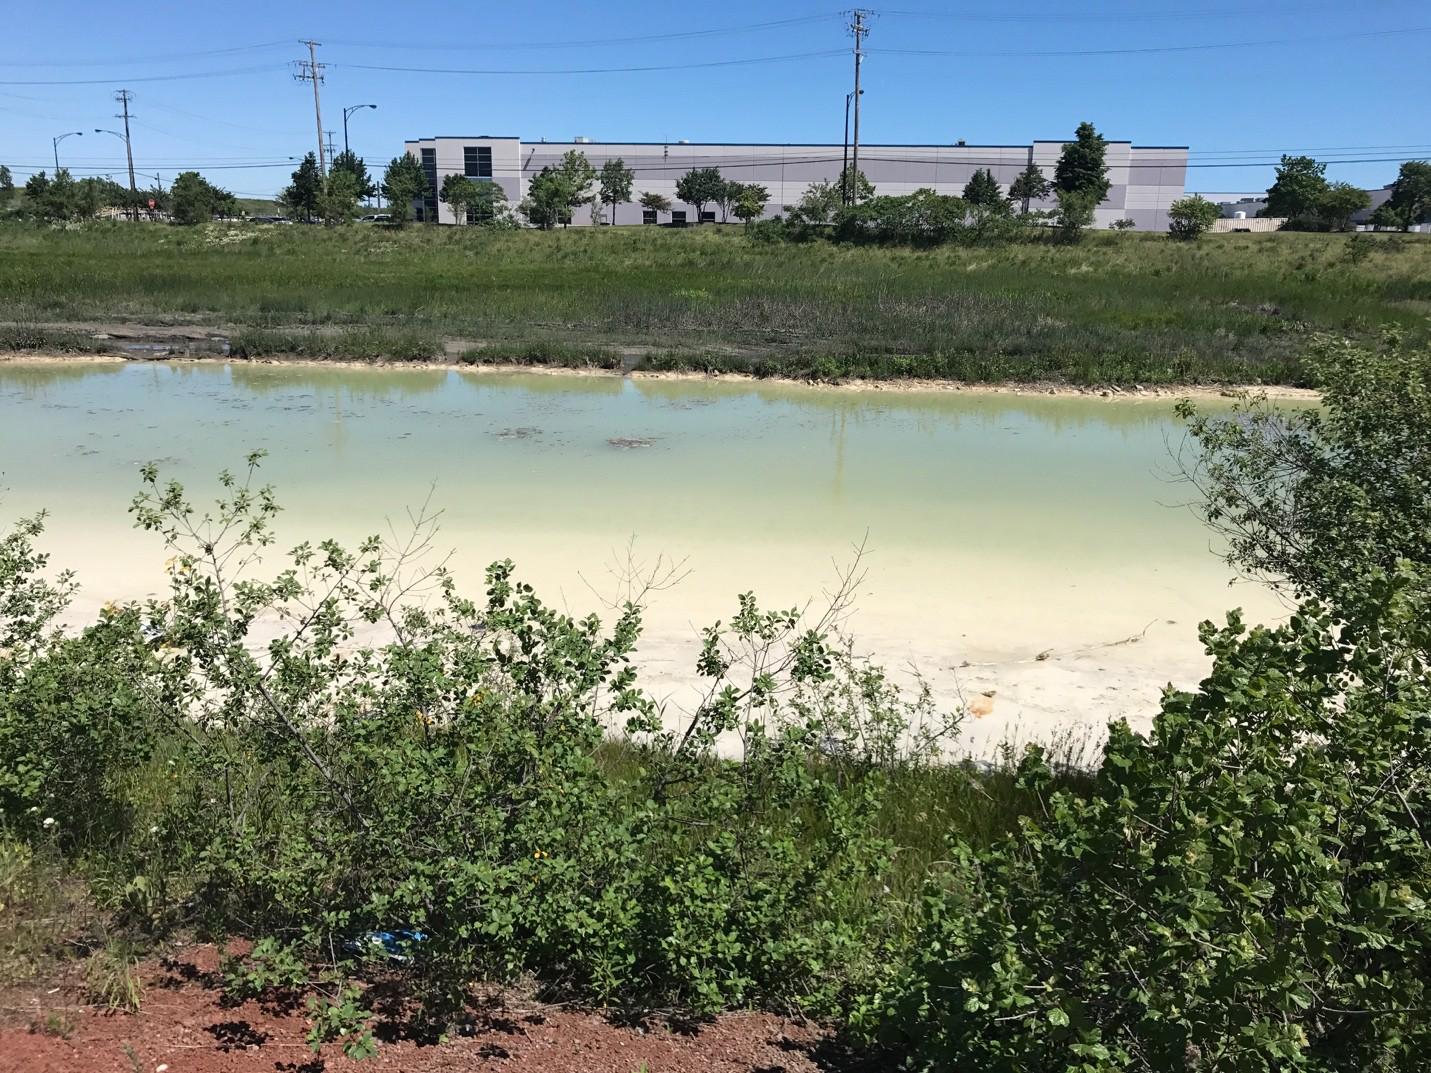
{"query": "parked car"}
pixel 376 218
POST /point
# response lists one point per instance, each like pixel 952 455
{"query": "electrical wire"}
pixel 143 78
pixel 131 60
pixel 592 42
pixel 589 70
pixel 1108 16
pixel 1146 50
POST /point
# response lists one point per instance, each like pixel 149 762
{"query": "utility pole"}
pixel 310 70
pixel 859 29
pixel 328 143
pixel 124 97
pixel 845 159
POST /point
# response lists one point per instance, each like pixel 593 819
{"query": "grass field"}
pixel 1114 309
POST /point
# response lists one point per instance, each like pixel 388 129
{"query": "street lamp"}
pixel 346 113
pixel 55 144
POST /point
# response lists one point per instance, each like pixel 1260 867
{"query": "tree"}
pixel 1074 214
pixel 302 194
pixel 352 163
pixel 547 202
pixel 51 199
pixel 700 187
pixel 1297 189
pixel 750 202
pixel 7 185
pixel 657 203
pixel 489 205
pixel 338 201
pixel 1081 168
pixel 821 200
pixel 459 192
pixel 854 186
pixel 1189 217
pixel 1411 193
pixel 1030 185
pixel 194 200
pixel 1388 217
pixel 1339 203
pixel 1317 500
pixel 616 181
pixel 982 190
pixel 404 182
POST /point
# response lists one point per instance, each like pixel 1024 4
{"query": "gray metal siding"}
pixel 1145 181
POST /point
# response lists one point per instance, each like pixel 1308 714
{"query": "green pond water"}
pixel 996 526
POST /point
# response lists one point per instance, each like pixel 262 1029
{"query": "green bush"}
pixel 1244 889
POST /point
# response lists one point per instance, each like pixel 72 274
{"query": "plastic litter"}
pixel 395 945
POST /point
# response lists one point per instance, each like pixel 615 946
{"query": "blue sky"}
pixel 1343 80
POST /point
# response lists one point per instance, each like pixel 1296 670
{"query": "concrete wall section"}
pixel 1144 181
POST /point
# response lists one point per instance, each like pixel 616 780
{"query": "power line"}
pixel 1110 16
pixel 593 42
pixel 586 70
pixel 131 60
pixel 1150 49
pixel 142 78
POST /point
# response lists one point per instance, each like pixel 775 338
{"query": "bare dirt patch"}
pixel 184 1027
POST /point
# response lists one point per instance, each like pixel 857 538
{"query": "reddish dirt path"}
pixel 183 1028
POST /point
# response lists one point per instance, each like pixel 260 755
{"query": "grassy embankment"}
pixel 1114 309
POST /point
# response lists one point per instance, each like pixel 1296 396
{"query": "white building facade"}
pixel 1145 179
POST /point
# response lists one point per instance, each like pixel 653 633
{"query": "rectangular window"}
pixel 477 161
pixel 678 217
pixel 708 217
pixel 648 216
pixel 429 199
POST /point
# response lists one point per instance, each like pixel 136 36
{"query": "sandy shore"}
pixel 1154 391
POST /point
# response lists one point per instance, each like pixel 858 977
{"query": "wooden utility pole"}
pixel 310 70
pixel 124 97
pixel 859 29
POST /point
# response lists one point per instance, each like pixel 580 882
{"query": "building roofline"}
pixel 785 145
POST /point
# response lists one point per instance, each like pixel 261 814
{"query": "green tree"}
pixel 194 200
pixel 1298 188
pixel 1030 185
pixel 1411 193
pixel 459 192
pixel 982 190
pixel 52 199
pixel 1074 214
pixel 7 185
pixel 404 182
pixel 489 205
pixel 750 202
pixel 302 194
pixel 1340 202
pixel 338 201
pixel 354 165
pixel 700 187
pixel 822 200
pixel 616 182
pixel 548 200
pixel 657 203
pixel 1319 499
pixel 1189 217
pixel 853 186
pixel 1388 217
pixel 1082 167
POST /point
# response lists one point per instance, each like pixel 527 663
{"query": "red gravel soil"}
pixel 183 1027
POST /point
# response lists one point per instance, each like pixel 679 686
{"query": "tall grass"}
pixel 1115 308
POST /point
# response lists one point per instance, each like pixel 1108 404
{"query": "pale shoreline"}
pixel 913 385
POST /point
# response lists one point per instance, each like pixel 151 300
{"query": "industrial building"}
pixel 1146 179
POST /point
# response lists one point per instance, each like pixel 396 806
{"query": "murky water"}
pixel 997 527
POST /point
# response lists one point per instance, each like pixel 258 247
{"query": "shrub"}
pixel 1245 889
pixel 1189 217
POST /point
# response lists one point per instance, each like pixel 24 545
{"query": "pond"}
pixel 1031 555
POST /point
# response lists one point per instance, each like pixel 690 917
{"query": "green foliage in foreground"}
pixel 1320 499
pixel 346 745
pixel 1246 889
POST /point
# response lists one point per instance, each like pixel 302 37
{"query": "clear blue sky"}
pixel 1341 79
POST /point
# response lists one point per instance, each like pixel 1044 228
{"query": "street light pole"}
pixel 346 113
pixel 55 144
